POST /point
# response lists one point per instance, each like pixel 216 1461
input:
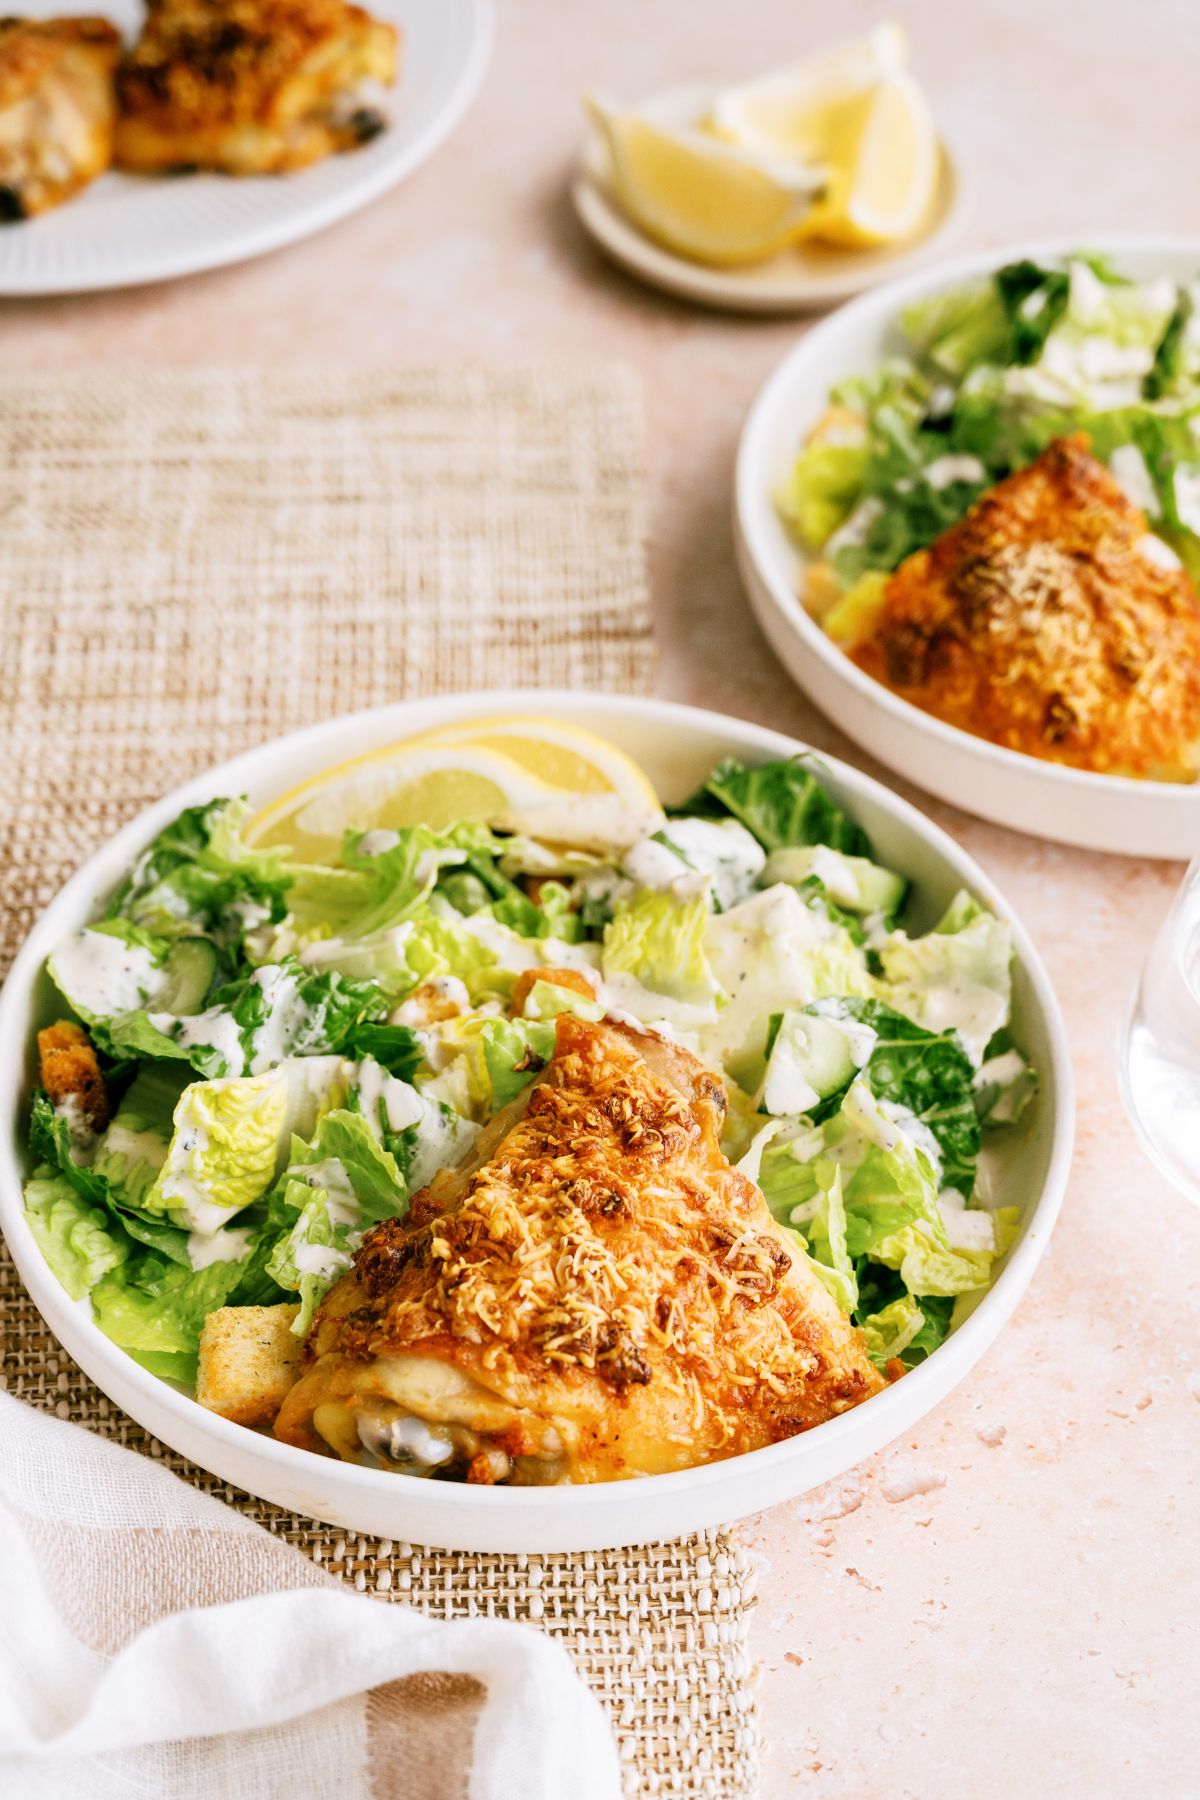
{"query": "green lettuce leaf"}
pixel 929 1073
pixel 957 977
pixel 780 803
pixel 333 1189
pixel 155 1309
pixel 824 483
pixel 198 874
pixel 515 1051
pixel 79 1240
pixel 892 1330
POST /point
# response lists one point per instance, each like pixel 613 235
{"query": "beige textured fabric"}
pixel 193 564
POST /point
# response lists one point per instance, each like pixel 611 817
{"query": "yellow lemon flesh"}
pixel 703 199
pixel 566 756
pixel 489 770
pixel 791 112
pixel 883 155
pixel 391 788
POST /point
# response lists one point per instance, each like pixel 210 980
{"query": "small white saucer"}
pixel 805 278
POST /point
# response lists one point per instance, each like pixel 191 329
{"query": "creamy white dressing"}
pixel 853 531
pixel 787 1089
pixel 516 954
pixel 722 849
pixel 915 1130
pixel 1186 483
pixel 83 1137
pixel 216 1029
pixel 446 989
pixel 245 913
pixel 103 975
pixel 135 1146
pixel 944 470
pixel 331 1177
pixel 652 864
pixel 402 1104
pixel 323 1260
pixel 1155 550
pixel 229 1244
pixel 966 1228
pixel 289 1020
pixel 760 952
pixel 377 843
pixel 1129 471
pixel 600 822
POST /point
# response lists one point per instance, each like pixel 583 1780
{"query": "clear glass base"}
pixel 1158 1056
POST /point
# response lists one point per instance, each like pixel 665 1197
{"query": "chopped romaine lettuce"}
pixel 825 481
pixel 658 938
pixel 958 977
pixel 780 803
pixel 78 1239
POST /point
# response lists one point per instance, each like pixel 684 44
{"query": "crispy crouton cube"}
pixel 70 1071
pixel 249 1358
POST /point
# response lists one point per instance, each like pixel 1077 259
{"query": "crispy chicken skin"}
pixel 70 1072
pixel 249 87
pixel 596 1294
pixel 56 110
pixel 1040 621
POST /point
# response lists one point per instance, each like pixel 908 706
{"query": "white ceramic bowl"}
pixel 1100 812
pixel 677 745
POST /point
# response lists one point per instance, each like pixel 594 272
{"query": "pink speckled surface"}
pixel 1006 1603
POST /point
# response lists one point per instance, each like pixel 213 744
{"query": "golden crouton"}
pixel 70 1071
pixel 249 1358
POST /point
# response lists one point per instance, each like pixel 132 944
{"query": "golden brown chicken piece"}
pixel 598 1293
pixel 57 108
pixel 250 87
pixel 1045 621
pixel 71 1073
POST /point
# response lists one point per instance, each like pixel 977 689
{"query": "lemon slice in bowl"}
pixel 789 112
pixel 704 199
pixel 522 774
pixel 884 158
pixel 566 756
pixel 402 784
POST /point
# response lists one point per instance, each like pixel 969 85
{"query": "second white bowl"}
pixel 1098 812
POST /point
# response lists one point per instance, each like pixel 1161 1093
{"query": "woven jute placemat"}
pixel 193 564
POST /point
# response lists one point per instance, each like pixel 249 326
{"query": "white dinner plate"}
pixel 802 278
pixel 677 745
pixel 1073 806
pixel 124 230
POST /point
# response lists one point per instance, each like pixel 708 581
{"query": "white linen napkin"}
pixel 153 1641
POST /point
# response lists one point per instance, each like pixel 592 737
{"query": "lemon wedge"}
pixel 882 155
pixel 564 755
pixel 790 112
pixel 704 199
pixel 525 774
pixel 402 784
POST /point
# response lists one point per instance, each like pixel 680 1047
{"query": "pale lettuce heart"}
pixel 230 1135
pixel 892 1329
pixel 953 979
pixel 654 963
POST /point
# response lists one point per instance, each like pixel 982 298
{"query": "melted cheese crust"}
pixel 598 1268
pixel 1040 622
